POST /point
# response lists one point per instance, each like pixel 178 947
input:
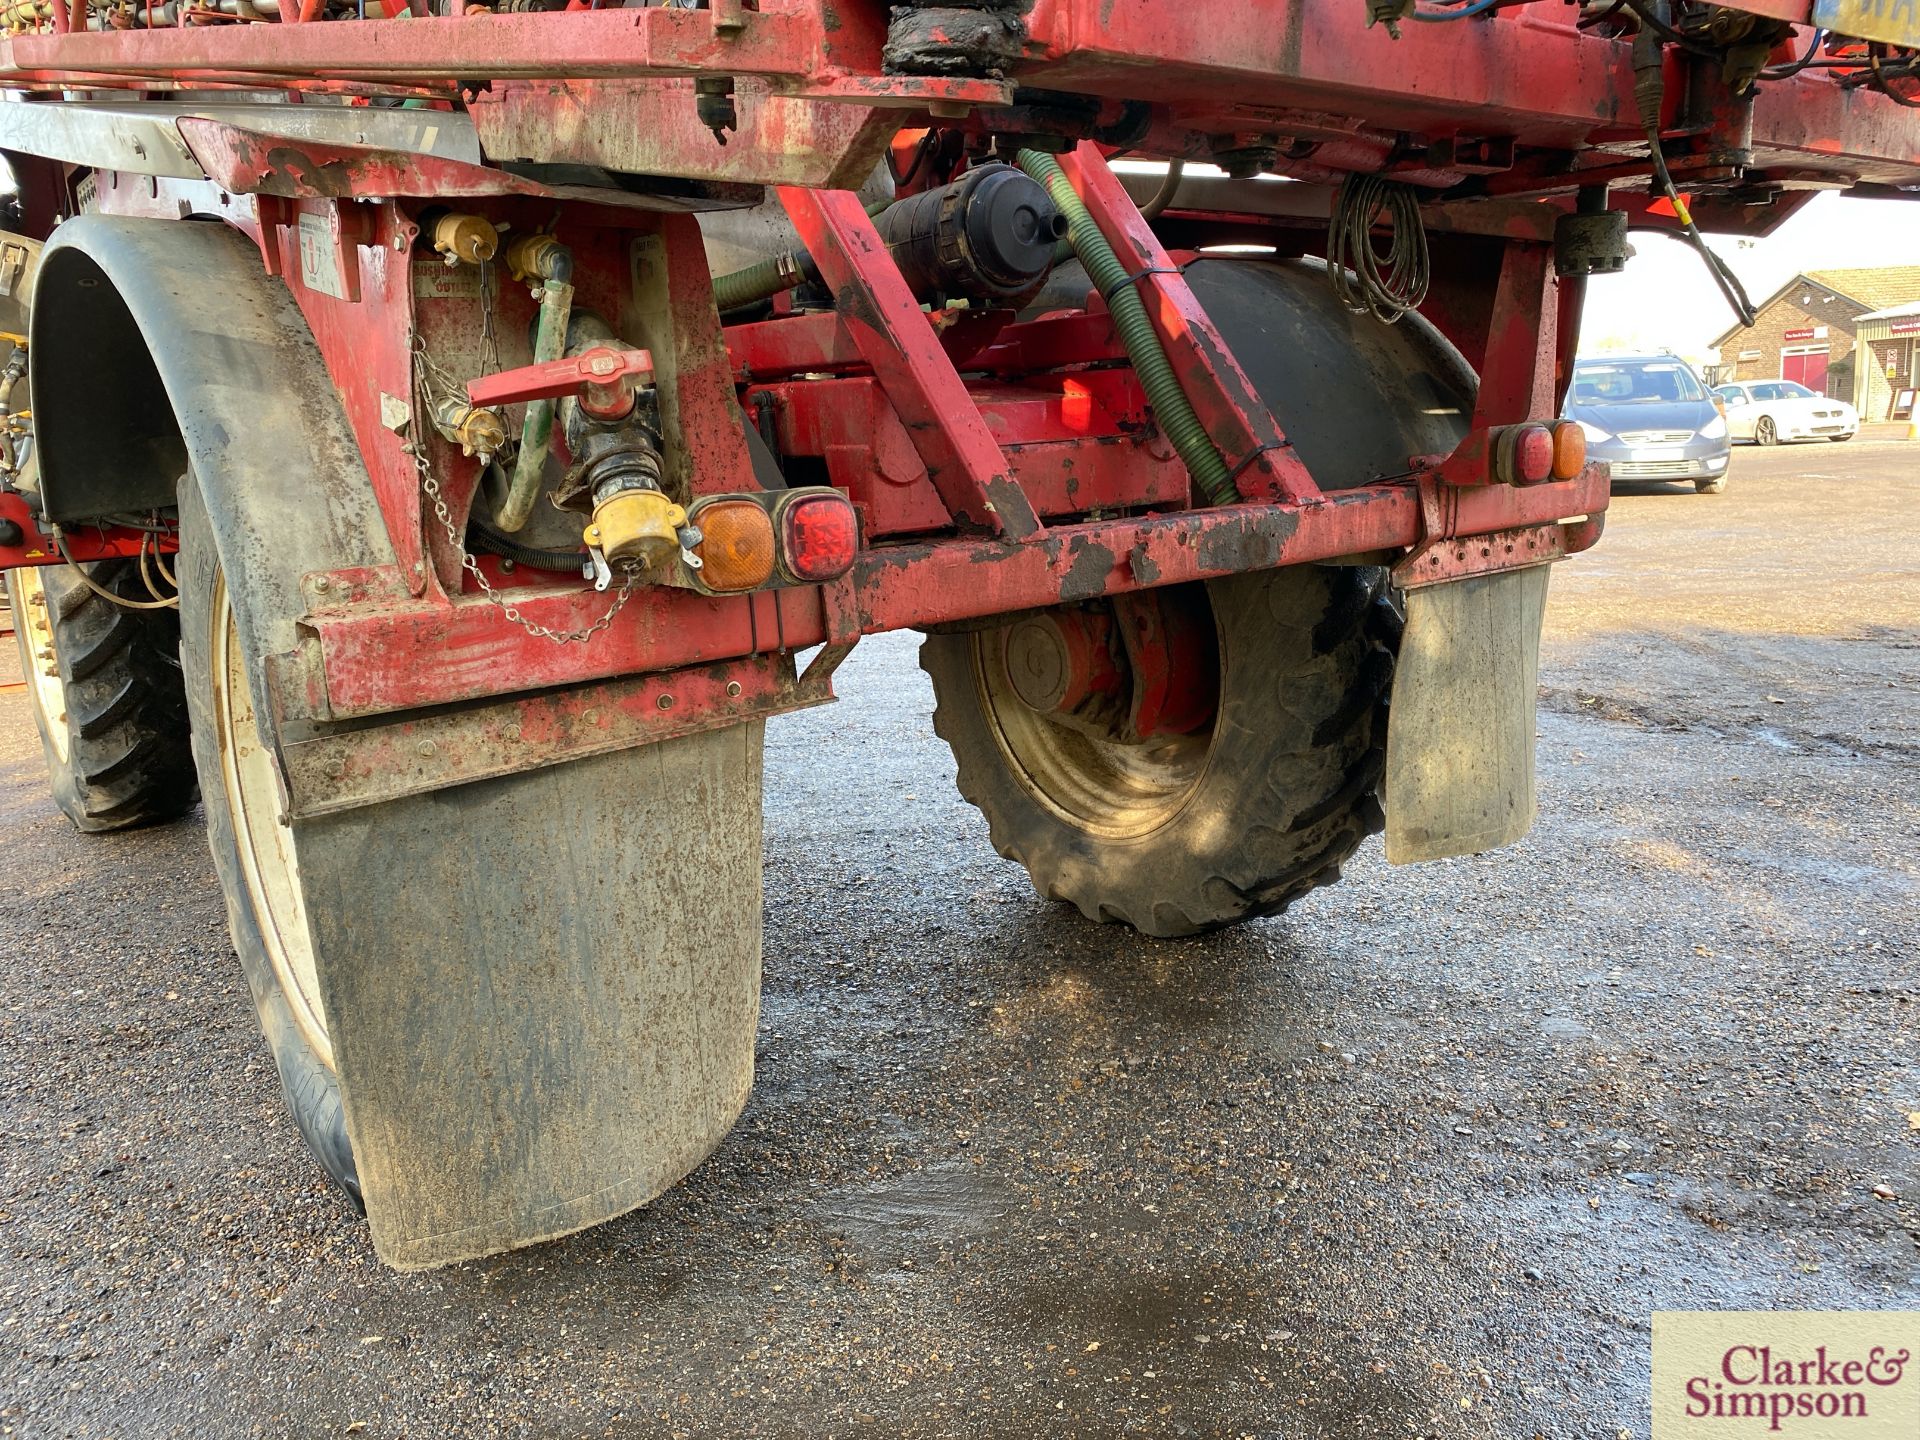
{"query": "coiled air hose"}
pixel 1386 285
pixel 1170 404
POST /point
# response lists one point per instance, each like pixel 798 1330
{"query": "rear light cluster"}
pixel 1530 454
pixel 801 537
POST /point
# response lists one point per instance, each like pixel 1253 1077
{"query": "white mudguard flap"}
pixel 1460 732
pixel 542 989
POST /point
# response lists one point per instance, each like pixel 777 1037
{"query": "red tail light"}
pixel 1526 454
pixel 819 536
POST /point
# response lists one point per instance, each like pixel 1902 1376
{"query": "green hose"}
pixel 1170 404
pixel 759 281
pixel 765 279
pixel 536 431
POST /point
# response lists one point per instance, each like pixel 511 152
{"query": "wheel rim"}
pixel 35 616
pixel 1105 787
pixel 1766 431
pixel 268 863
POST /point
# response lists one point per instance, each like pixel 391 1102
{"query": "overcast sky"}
pixel 1666 299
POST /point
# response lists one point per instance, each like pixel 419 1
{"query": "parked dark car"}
pixel 1650 418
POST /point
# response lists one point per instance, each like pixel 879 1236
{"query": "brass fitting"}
pixel 640 525
pixel 462 237
pixel 476 431
pixel 533 257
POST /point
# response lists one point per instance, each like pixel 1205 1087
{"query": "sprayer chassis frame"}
pixel 1000 449
pixel 972 449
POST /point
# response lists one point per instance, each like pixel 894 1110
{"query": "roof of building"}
pixel 1879 285
pixel 1875 286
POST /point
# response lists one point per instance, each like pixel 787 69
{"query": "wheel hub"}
pixel 1137 668
pixel 1064 662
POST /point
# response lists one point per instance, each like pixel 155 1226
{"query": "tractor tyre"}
pixel 1192 832
pixel 104 685
pixel 253 849
pixel 1181 834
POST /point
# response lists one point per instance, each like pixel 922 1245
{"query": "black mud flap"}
pixel 1460 773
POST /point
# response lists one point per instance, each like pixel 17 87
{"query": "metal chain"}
pixel 490 343
pixel 430 484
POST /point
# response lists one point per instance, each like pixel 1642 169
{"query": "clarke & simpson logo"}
pixel 1814 1375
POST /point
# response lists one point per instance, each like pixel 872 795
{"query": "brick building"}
pixel 1808 330
pixel 1889 369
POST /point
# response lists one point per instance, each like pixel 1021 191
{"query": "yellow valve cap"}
pixel 466 237
pixel 638 525
pixel 736 545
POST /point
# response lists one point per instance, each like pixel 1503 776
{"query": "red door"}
pixel 1809 368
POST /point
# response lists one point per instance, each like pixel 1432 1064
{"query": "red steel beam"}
pixel 1526 73
pixel 657 40
pixel 913 586
pixel 1237 420
pixel 893 334
pixel 1518 371
pixel 248 162
pixel 819 343
pixel 463 650
pixel 1519 74
pixel 341 771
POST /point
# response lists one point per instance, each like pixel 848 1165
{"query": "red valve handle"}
pixel 599 368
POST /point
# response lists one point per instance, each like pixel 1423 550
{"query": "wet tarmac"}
pixel 1418 1158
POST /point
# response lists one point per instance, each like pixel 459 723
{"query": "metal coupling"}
pixel 638 525
pixel 476 430
pixel 538 258
pixel 1389 13
pixel 632 520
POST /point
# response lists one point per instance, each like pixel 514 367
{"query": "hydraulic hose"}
pixel 1170 404
pixel 1169 187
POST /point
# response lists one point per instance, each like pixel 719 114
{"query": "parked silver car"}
pixel 1650 418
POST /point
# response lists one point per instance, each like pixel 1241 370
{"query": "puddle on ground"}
pixel 946 1199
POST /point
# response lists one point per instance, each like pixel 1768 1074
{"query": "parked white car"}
pixel 1769 411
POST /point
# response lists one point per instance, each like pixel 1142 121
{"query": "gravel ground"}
pixel 1418 1158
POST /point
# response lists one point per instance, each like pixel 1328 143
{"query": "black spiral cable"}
pixel 1383 283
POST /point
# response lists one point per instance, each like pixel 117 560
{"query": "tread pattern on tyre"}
pixel 129 761
pixel 307 1082
pixel 1290 788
